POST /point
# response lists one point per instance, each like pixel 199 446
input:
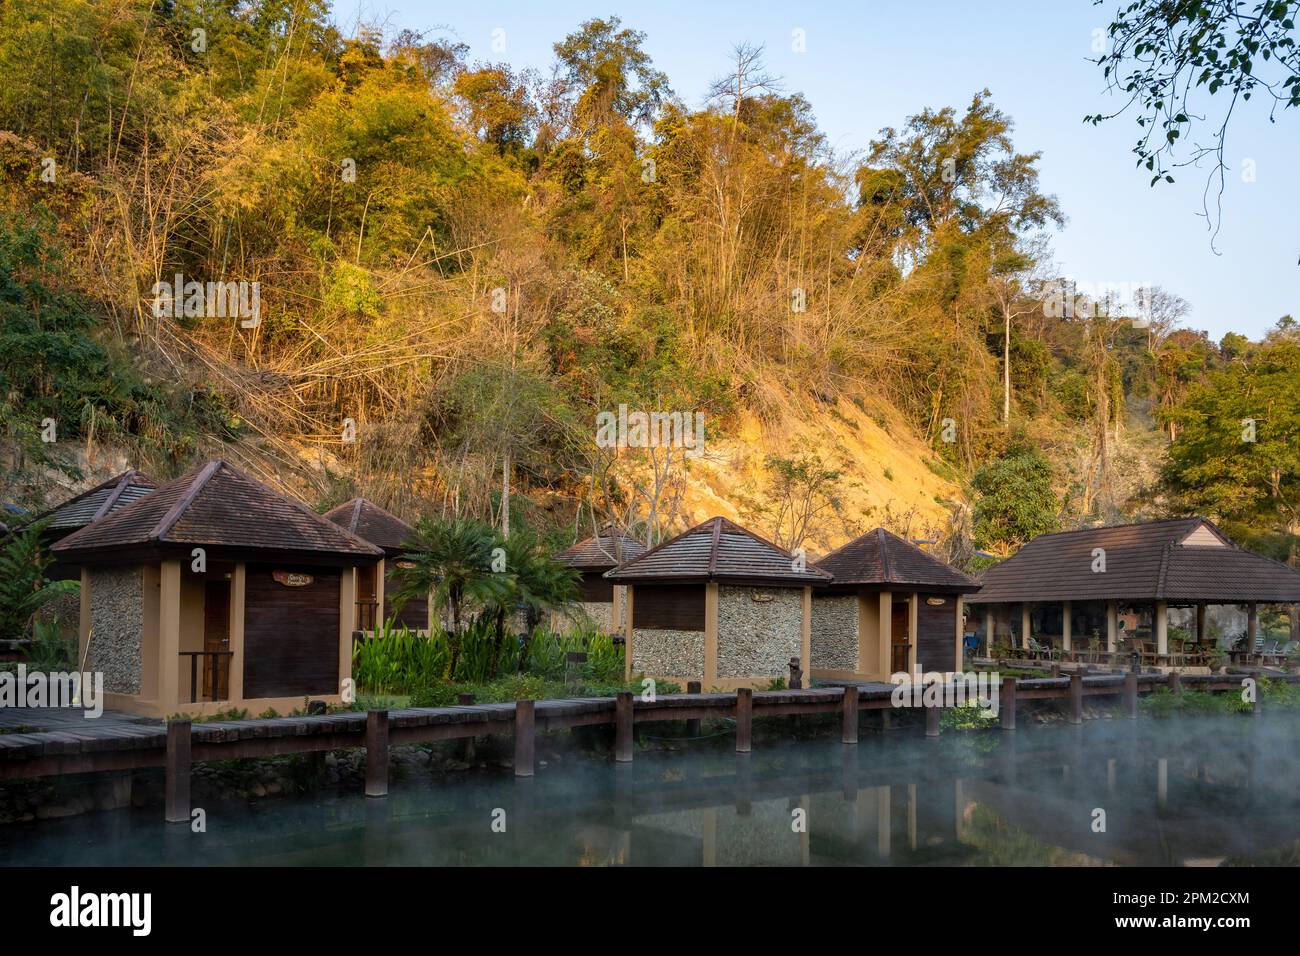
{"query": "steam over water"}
pixel 1196 791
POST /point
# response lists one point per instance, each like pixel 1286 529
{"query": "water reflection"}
pixel 1192 792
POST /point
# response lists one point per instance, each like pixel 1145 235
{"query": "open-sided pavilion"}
pixel 1070 589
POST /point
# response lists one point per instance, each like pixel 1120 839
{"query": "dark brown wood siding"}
pixel 668 607
pixel 936 628
pixel 595 589
pixel 291 634
pixel 414 613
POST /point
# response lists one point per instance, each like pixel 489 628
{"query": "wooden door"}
pixel 216 637
pixel 900 636
pixel 367 600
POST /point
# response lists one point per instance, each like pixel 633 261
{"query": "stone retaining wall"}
pixel 835 632
pixel 759 630
pixel 666 653
pixel 117 627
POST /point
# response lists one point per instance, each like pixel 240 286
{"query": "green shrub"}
pixel 399 660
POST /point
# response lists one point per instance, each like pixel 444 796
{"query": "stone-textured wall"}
pixel 668 653
pixel 117 627
pixel 835 631
pixel 598 612
pixel 757 638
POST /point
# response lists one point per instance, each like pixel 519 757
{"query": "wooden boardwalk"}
pixel 119 744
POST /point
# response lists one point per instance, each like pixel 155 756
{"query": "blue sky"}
pixel 872 63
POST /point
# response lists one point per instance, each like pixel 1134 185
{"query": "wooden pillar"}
pixel 1200 623
pixel 1162 628
pixel 1007 703
pixel 1065 625
pixel 83 629
pixel 959 626
pixel 913 615
pixel 525 737
pixel 1076 698
pixel 177 809
pixel 347 622
pixel 744 719
pixel 1252 626
pixel 235 679
pixel 169 637
pixel 623 727
pixel 1130 695
pixel 885 627
pixel 615 610
pixel 377 753
pixel 849 715
pixel 692 726
pixel 710 634
pixel 988 630
pixel 932 721
pixel 1025 626
pixel 1112 626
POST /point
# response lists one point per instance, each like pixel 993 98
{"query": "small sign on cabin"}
pixel 292 579
pixel 936 601
pixel 762 597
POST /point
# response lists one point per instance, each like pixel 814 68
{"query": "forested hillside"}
pixel 458 266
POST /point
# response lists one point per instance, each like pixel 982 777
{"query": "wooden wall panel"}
pixel 595 589
pixel 414 613
pixel 936 634
pixel 291 634
pixel 669 607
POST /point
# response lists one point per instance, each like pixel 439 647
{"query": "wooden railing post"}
pixel 467 752
pixel 849 715
pixel 1007 703
pixel 525 737
pixel 744 718
pixel 623 727
pixel 932 720
pixel 1130 695
pixel 377 753
pixel 177 809
pixel 693 726
pixel 1175 683
pixel 1076 698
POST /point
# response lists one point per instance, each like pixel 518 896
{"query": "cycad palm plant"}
pixel 538 584
pixel 451 559
pixel 24 588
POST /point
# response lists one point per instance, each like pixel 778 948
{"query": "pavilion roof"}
pixel 717 550
pixel 604 550
pixel 372 523
pixel 880 559
pixel 105 498
pixel 1180 560
pixel 217 507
